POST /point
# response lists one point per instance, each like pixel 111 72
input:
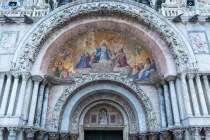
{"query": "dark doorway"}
pixel 103 135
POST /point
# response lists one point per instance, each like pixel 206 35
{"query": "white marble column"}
pixel 6 95
pixel 206 84
pixel 1 133
pixel 201 96
pixel 167 104
pixel 39 103
pixel 13 132
pixel 195 133
pixel 13 95
pixel 207 133
pixel 25 77
pixel 186 97
pixel 175 108
pixel 37 80
pixel 162 106
pixel 44 107
pixel 2 75
pixel 193 94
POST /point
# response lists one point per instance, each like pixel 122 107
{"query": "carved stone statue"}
pixel 103 116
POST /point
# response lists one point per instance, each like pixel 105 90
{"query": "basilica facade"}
pixel 104 70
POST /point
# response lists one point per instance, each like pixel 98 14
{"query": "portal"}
pixel 104 135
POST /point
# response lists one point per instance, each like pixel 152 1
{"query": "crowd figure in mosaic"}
pixel 104 52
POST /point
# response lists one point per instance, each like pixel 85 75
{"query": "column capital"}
pixel 167 134
pixel 44 82
pixel 190 76
pixel 197 75
pixel 143 136
pixel 182 75
pixel 64 136
pixel 9 75
pixel 163 82
pixel 25 76
pixel 41 134
pixel 158 85
pixel 178 133
pixel 170 78
pixel 53 135
pixel 205 76
pixel 2 75
pixel 207 131
pixel 13 131
pixel 195 131
pixel 74 136
pixel 37 78
pixel 30 132
pixel 154 135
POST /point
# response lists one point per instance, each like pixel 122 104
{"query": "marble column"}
pixel 195 133
pixel 167 104
pixel 39 103
pixel 6 95
pixel 54 136
pixel 162 105
pixel 64 136
pixel 201 95
pixel 13 132
pixel 37 80
pixel 2 75
pixel 25 77
pixel 175 108
pixel 1 133
pixel 193 94
pixel 44 107
pixel 207 133
pixel 167 135
pixel 13 94
pixel 30 133
pixel 178 134
pixel 206 84
pixel 186 97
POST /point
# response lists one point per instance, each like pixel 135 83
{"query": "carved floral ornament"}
pixel 86 80
pixel 138 12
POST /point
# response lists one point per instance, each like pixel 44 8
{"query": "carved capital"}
pixel 2 75
pixel 197 75
pixel 143 136
pixel 13 131
pixel 9 75
pixel 74 136
pixel 41 134
pixel 190 76
pixel 205 76
pixel 170 78
pixel 163 82
pixel 133 136
pixel 53 136
pixel 178 133
pixel 158 85
pixel 64 136
pixel 16 75
pixel 167 135
pixel 182 76
pixel 195 131
pixel 37 78
pixel 25 76
pixel 207 131
pixel 30 132
pixel 154 136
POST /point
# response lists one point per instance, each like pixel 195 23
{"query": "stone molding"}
pixel 178 133
pixel 86 80
pixel 30 132
pixel 167 135
pixel 195 131
pixel 30 47
pixel 64 136
pixel 37 78
pixel 104 96
pixel 13 131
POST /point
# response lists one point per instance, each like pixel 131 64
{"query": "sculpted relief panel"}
pixel 103 51
pixel 199 42
pixel 8 42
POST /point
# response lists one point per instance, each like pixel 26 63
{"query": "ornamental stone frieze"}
pixel 143 14
pixel 86 80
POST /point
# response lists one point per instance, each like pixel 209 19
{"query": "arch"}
pixel 133 127
pixel 29 47
pixel 114 79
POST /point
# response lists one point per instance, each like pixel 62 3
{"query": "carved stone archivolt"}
pixel 33 41
pixel 101 96
pixel 116 79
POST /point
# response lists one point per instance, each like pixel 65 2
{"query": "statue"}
pixel 103 116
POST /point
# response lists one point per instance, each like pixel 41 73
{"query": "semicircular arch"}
pixel 29 47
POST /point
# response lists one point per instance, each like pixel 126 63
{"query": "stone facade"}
pixel 174 104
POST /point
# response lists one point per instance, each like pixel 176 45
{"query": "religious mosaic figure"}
pixel 102 54
pixel 122 60
pixel 84 61
pixel 103 116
